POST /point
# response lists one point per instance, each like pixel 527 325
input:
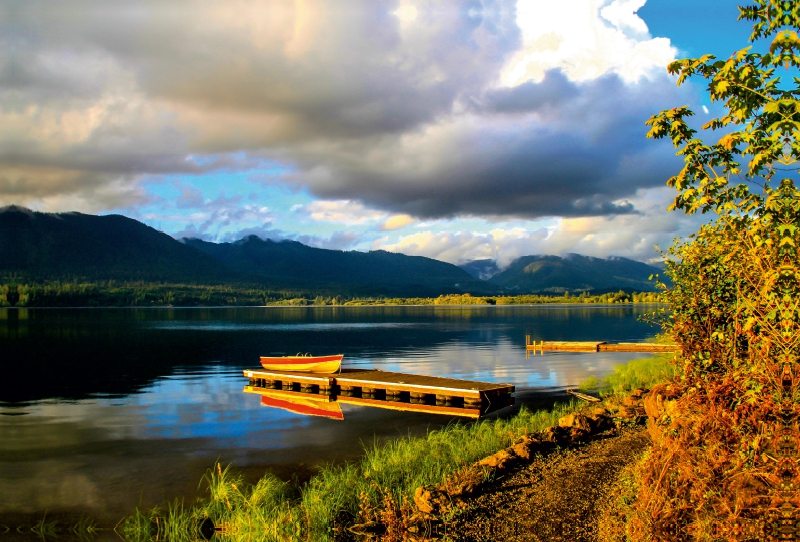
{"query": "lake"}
pixel 102 410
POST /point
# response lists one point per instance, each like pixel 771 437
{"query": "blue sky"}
pixel 698 27
pixel 454 130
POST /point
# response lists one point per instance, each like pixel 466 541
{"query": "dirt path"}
pixel 554 498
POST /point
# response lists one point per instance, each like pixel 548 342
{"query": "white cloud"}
pixel 631 236
pixel 585 39
pixel 341 211
pixel 353 213
pixel 396 222
pixel 459 247
pixel 218 219
pixel 622 15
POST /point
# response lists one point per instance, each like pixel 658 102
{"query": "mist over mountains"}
pixel 38 246
pixel 481 269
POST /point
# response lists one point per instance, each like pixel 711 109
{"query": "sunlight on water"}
pixel 252 326
pixel 114 408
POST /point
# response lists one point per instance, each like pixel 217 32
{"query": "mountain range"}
pixel 573 272
pixel 289 264
pixel 38 246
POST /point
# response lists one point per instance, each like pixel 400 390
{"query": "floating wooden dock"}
pixel 390 390
pixel 596 346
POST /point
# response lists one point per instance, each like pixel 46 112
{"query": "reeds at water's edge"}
pixel 337 495
pixel 637 373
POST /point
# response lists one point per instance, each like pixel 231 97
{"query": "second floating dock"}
pixel 596 346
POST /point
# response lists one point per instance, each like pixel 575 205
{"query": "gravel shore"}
pixel 555 497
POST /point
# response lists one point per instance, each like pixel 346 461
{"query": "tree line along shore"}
pixel 116 294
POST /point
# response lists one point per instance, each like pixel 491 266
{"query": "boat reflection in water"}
pixel 318 405
pixel 328 406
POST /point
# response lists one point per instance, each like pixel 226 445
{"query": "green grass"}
pixel 276 510
pixel 637 373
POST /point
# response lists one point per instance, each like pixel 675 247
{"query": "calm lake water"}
pixel 102 410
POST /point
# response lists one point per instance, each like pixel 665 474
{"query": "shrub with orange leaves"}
pixel 725 463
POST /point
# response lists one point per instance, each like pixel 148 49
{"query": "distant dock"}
pixel 595 346
pixel 386 389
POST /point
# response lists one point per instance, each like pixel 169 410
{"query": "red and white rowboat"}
pixel 303 363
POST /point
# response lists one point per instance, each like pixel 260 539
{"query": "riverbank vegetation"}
pixel 724 460
pixel 638 373
pixel 116 294
pixel 523 299
pixel 134 294
pixel 383 481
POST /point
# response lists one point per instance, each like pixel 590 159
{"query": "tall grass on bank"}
pixel 637 373
pixel 273 510
pixel 276 510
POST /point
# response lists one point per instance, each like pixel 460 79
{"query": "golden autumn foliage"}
pixel 724 464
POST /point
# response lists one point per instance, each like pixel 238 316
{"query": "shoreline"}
pixel 387 490
pixel 343 494
pixel 336 307
pixel 563 492
pixel 559 496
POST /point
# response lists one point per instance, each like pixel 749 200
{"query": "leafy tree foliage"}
pixel 724 465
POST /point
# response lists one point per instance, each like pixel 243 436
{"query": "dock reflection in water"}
pixel 328 406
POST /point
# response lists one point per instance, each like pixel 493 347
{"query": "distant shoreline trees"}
pixel 54 294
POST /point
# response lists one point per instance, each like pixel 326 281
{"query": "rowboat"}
pixel 303 363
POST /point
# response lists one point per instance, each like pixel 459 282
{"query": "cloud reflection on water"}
pixel 101 454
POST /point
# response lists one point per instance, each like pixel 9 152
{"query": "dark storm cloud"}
pixel 124 88
pixel 549 93
pixel 400 112
pixel 345 69
pixel 569 150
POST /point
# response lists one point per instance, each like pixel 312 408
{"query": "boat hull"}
pixel 303 364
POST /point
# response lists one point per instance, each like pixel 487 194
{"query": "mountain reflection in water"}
pixel 102 410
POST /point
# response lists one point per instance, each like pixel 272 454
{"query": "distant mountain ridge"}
pixel 41 246
pixel 481 269
pixel 74 246
pixel 573 272
pixel 291 263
